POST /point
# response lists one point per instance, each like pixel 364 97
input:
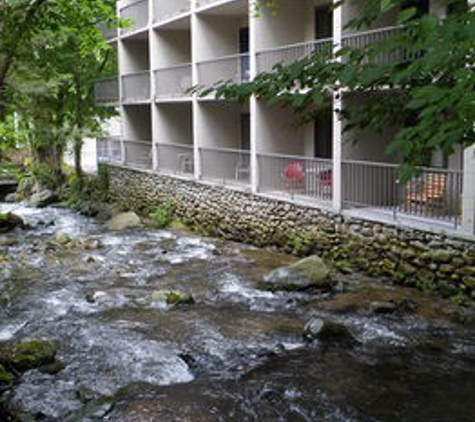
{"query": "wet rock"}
pixel 52 368
pixel 30 355
pixel 42 199
pixel 5 377
pixel 383 307
pixel 124 221
pixel 7 241
pixel 95 410
pixel 325 330
pixel 62 238
pixel 173 297
pixel 10 198
pixel 310 272
pixel 9 222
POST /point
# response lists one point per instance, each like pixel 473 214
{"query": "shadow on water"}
pixel 236 354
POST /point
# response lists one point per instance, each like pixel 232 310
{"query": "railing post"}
pixel 337 123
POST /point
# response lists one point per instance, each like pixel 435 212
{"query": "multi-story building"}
pixel 172 45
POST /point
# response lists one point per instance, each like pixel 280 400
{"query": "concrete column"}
pixel 253 22
pixel 195 105
pixel 152 60
pixel 337 124
pixel 468 195
pixel 120 59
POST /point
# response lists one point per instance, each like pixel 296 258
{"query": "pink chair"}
pixel 293 175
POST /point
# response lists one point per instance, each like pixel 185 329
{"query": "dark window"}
pixel 243 49
pixel 323 23
pixel 245 131
pixel 323 128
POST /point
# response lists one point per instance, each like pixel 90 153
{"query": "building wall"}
pixel 173 123
pixel 171 47
pixel 137 123
pixel 134 56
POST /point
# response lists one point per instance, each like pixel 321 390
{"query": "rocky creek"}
pixel 130 348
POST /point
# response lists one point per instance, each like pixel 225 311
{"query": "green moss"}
pixel 31 354
pixel 5 377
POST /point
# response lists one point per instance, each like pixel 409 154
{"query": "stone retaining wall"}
pixel 406 256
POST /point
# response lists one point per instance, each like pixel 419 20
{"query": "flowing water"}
pixel 236 354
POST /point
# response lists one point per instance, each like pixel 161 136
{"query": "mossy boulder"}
pixel 5 377
pixel 31 354
pixel 124 221
pixel 307 273
pixel 9 222
pixel 172 297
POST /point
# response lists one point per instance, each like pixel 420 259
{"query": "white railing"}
pixel 108 30
pixel 233 68
pixel 138 154
pixel 432 193
pixel 175 158
pixel 137 13
pixel 288 54
pixel 106 90
pixel 109 150
pixel 173 82
pixel 136 87
pixel 202 3
pixel 374 37
pixel 226 166
pixel 295 176
pixel 164 10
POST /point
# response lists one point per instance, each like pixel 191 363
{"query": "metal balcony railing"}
pixel 289 54
pixel 109 150
pixel 138 154
pixel 106 90
pixel 432 193
pixel 175 158
pixel 233 68
pixel 137 13
pixel 164 10
pixel 226 166
pixel 136 87
pixel 375 36
pixel 108 31
pixel 173 82
pixel 295 176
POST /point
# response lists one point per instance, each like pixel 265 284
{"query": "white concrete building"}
pixel 173 45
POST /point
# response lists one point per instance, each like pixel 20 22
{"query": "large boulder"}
pixel 9 222
pixel 31 354
pixel 42 199
pixel 308 273
pixel 124 221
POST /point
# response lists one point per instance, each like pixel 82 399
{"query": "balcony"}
pixel 137 13
pixel 295 177
pixel 173 82
pixel 289 54
pixel 109 150
pixel 175 159
pixel 136 87
pixel 434 194
pixel 106 91
pixel 225 166
pixel 138 154
pixel 164 10
pixel 234 68
pixel 108 31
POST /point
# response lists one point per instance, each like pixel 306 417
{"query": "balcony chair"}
pixel 325 182
pixel 293 177
pixel 428 192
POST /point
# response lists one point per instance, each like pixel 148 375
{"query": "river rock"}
pixel 9 222
pixel 124 221
pixel 7 241
pixel 325 330
pixel 62 238
pixel 10 198
pixel 310 272
pixel 173 297
pixel 383 307
pixel 30 355
pixel 42 199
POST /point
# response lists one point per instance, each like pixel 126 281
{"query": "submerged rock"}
pixel 42 199
pixel 326 330
pixel 9 222
pixel 124 221
pixel 310 272
pixel 173 297
pixel 30 355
